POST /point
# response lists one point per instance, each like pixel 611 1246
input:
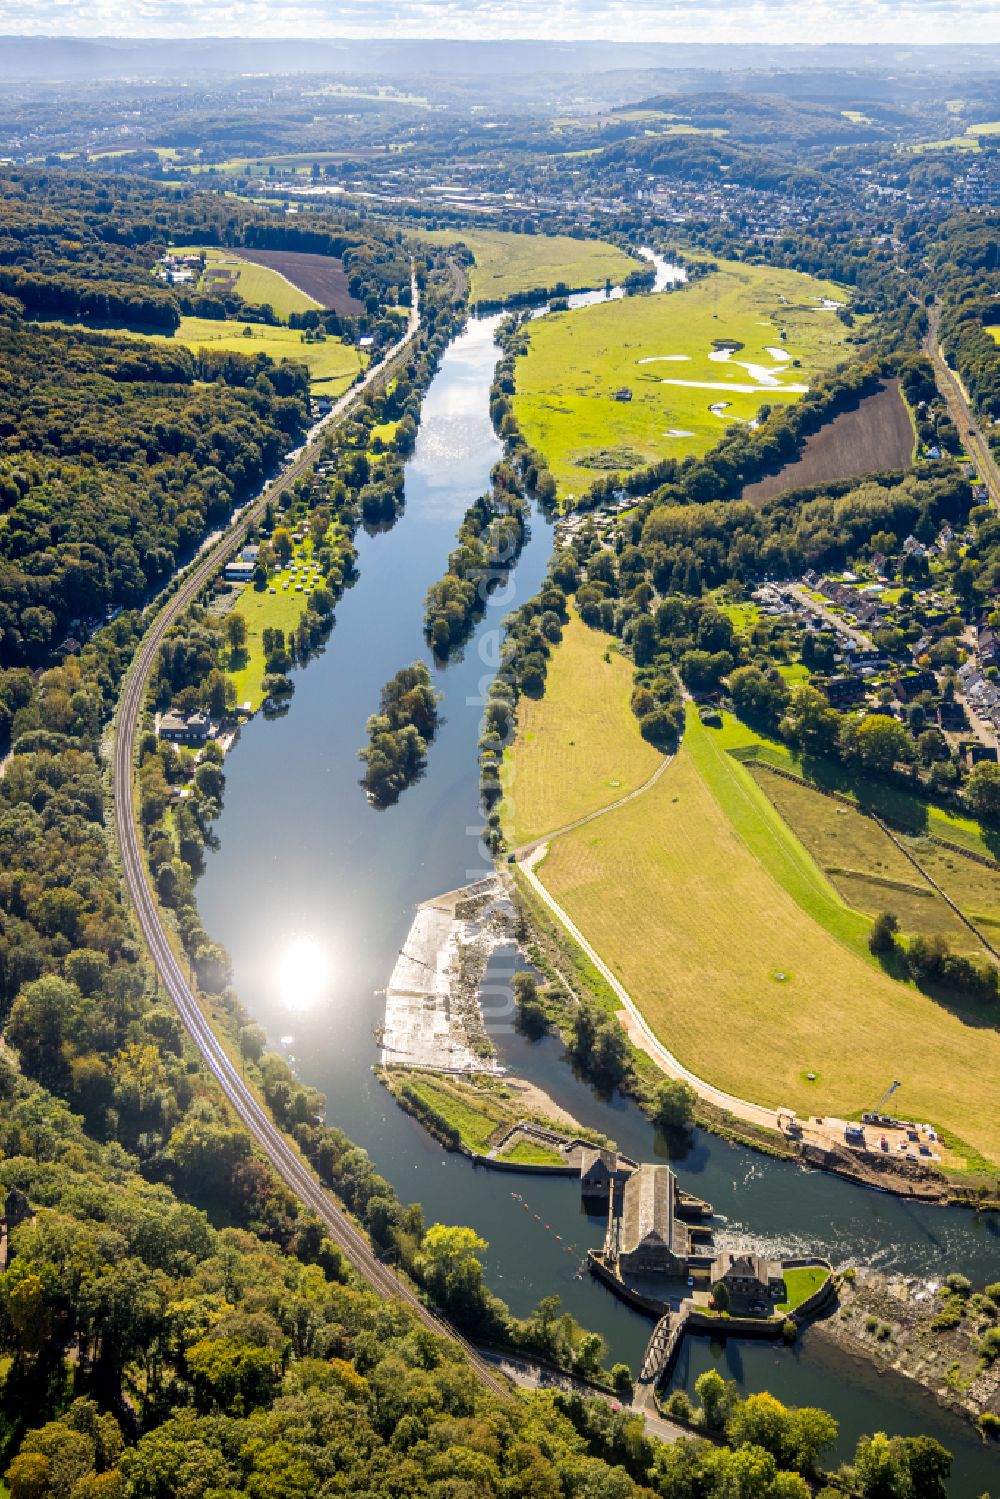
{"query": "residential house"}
pixel 184 728
pixel 752 1281
pixel 842 692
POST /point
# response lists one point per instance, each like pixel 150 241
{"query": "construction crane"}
pixel 885 1097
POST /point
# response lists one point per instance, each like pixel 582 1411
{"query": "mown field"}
pixel 512 265
pixel 877 436
pixel 750 967
pixel 254 283
pixel 578 748
pixel 332 365
pixel 665 350
pixel 263 610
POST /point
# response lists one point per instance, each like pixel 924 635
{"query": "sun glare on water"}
pixel 303 973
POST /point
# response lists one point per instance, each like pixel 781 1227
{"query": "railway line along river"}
pixel 313 891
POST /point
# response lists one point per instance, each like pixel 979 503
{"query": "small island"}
pixel 398 734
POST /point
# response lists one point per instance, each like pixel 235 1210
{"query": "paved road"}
pixel 959 410
pixel 530 1375
pixel 638 1028
pixel 284 1157
pixel 837 622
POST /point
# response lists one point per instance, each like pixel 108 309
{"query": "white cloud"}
pixel 716 21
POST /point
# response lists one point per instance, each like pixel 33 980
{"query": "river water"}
pixel 313 891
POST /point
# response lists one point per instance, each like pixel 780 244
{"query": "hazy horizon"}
pixel 682 22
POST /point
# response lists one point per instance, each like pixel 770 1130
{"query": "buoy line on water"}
pixel 569 1248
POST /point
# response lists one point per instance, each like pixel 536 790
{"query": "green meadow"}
pixel 510 265
pixel 668 351
pixel 332 365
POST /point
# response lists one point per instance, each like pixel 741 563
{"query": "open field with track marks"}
pixel 876 437
pixel 513 265
pixel 231 269
pixel 578 748
pixel 872 875
pixel 694 360
pixel 747 964
pixel 320 277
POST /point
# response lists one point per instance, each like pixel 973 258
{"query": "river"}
pixel 313 891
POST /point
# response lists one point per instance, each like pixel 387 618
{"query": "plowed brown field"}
pixel 321 277
pixel 873 438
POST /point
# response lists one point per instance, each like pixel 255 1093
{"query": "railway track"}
pixel 959 409
pixel 297 1175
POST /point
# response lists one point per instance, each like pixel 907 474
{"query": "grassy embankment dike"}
pixel 468 1112
pixel 741 953
pixel 566 383
pixel 514 265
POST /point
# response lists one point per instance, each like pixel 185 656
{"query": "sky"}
pixel 925 22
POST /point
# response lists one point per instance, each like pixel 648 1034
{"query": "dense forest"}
pixel 115 459
pixel 83 247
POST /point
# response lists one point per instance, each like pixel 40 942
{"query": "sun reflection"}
pixel 303 973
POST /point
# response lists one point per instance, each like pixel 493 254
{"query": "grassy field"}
pixel 332 365
pixel 263 610
pixel 801 1282
pixel 749 966
pixel 871 874
pixel 475 1108
pixel 661 348
pixel 474 1123
pixel 968 142
pixel 578 748
pixel 509 265
pixel 527 1154
pixel 254 283
pixel 906 812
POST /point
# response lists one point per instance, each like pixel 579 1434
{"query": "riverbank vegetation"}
pixel 946 1338
pixel 508 268
pixel 490 539
pixel 398 734
pixel 619 385
pixel 479 1113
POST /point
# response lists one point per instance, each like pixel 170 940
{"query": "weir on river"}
pixel 304 862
